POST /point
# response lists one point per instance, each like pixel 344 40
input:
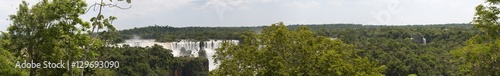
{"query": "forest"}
pixel 404 50
pixel 53 31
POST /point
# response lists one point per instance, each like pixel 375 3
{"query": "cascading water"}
pixel 194 47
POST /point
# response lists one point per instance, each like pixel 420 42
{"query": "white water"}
pixel 209 47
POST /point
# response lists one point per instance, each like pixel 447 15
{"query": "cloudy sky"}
pixel 183 13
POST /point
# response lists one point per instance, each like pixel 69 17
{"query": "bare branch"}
pixel 109 5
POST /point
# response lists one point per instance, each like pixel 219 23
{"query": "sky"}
pixel 229 13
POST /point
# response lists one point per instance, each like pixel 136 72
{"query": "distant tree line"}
pixel 168 33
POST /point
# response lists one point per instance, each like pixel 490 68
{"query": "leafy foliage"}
pixel 48 32
pixel 190 66
pixel 146 61
pixel 480 56
pixel 7 59
pixel 155 61
pixel 278 51
pixel 402 48
pixel 52 30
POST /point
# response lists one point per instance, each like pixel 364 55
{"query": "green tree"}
pixel 481 55
pixel 7 59
pixel 279 51
pixel 190 66
pixel 48 32
pixel 166 38
pixel 143 61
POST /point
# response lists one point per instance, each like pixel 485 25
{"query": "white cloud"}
pixel 303 5
pixel 223 6
pixel 249 12
pixel 159 5
pixel 436 1
pixel 335 3
pixel 232 3
pixel 142 8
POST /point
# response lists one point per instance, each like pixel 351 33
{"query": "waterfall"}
pixel 425 41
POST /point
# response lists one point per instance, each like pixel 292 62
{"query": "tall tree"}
pixel 48 32
pixel 481 55
pixel 279 51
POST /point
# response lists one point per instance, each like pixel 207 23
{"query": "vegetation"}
pixel 52 31
pixel 155 61
pixel 480 56
pixel 403 48
pixel 6 59
pixel 169 34
pixel 46 33
pixel 278 51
